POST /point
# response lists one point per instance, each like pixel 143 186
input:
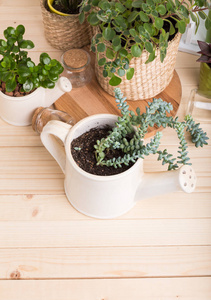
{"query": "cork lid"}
pixel 75 58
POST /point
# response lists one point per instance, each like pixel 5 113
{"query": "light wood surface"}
pixel 160 250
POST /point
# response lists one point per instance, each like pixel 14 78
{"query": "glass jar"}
pixel 77 67
pixel 43 115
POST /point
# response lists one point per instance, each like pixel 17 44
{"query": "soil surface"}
pixel 16 93
pixel 82 149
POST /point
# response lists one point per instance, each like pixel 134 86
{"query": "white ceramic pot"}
pixel 19 110
pixel 107 197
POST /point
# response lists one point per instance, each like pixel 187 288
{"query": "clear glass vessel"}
pixel 43 115
pixel 199 107
pixel 77 67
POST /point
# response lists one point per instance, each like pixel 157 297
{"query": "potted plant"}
pixel 22 82
pixel 205 69
pixel 103 157
pixel 137 41
pixel 62 29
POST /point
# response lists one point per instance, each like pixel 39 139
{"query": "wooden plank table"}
pixel 159 250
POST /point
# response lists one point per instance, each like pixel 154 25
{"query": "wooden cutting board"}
pixel 92 99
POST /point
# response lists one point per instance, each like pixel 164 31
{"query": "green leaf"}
pixel 28 85
pixel 26 44
pixel 10 31
pixel 133 32
pixel 105 73
pixel 208 23
pixel 121 72
pixel 45 58
pixel 132 16
pixel 93 19
pixel 120 21
pixel 108 34
pixel 181 26
pixel 20 30
pixel 161 9
pixel 143 16
pixel 136 50
pixel 81 17
pixel 114 81
pixel 151 57
pixel 149 47
pixel 130 73
pixel 119 7
pixel 30 64
pixel 11 85
pixel 123 52
pixel 104 5
pixel 193 17
pixel 101 47
pixel 137 4
pixel 116 41
pixel 158 23
pixel 23 71
pixel 102 61
pixel 109 53
pixel 202 15
pixel 148 27
pixel 171 29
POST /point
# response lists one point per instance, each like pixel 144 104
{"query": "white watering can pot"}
pixel 19 110
pixel 107 197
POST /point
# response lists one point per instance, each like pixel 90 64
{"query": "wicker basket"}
pixel 149 79
pixel 65 32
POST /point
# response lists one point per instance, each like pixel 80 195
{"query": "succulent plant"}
pixel 131 128
pixel 205 52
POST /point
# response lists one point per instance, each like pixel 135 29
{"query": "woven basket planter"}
pixel 149 79
pixel 65 32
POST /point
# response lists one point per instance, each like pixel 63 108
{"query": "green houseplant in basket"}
pixel 136 35
pixel 62 28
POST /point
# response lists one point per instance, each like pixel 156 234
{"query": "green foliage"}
pixel 131 26
pixel 131 128
pixel 69 6
pixel 16 67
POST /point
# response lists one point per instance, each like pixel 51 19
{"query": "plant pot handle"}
pixel 53 138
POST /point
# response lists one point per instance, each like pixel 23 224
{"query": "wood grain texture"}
pixel 108 289
pixel 160 250
pixel 110 262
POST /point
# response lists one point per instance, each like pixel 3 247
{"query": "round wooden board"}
pixel 92 99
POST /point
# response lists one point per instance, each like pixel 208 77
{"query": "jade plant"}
pixel 130 129
pixel 126 27
pixel 17 69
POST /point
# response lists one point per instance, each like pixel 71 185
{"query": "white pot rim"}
pixel 81 171
pixel 23 98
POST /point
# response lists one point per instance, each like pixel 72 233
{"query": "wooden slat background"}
pixel 159 250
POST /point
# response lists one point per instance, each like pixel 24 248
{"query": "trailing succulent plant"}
pixel 68 6
pixel 205 52
pixel 126 27
pixel 131 128
pixel 17 68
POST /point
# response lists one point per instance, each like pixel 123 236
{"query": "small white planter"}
pixel 19 110
pixel 107 197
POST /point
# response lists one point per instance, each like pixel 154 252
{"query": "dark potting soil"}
pixel 16 93
pixel 82 149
